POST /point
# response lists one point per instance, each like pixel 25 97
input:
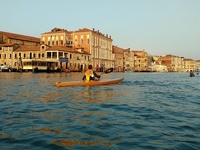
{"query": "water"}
pixel 146 111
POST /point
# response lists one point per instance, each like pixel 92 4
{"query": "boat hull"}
pixel 89 83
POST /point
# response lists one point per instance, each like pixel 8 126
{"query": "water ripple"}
pixel 146 111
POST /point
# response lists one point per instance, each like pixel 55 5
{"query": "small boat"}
pixel 89 83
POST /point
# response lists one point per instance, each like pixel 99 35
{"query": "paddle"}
pixel 108 71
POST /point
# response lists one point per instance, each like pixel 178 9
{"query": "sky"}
pixel 159 27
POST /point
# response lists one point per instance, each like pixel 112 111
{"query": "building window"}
pixel 88 41
pixel 4 56
pixel 52 42
pixel 10 56
pixel 48 54
pixel 0 56
pixel 24 55
pixel 48 42
pixel 42 47
pixel 42 55
pixel 34 55
pixel 15 56
pixel 56 42
pixel 39 55
pixel 61 42
pixel 81 41
pixel 54 55
pixel 70 56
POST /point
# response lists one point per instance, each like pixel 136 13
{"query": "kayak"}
pixel 89 83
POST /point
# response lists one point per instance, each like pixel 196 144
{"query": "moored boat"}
pixel 89 83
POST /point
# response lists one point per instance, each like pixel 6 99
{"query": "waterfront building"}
pixel 9 42
pixel 141 60
pixel 119 58
pixel 25 52
pixel 173 63
pixel 127 60
pixel 60 46
pixel 155 66
pixel 197 68
pixel 13 38
pixel 189 64
pixel 88 47
pixel 132 60
pixel 178 64
pixel 98 45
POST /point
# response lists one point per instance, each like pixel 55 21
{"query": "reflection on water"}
pixel 160 109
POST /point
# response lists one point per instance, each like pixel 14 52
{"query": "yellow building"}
pixel 141 60
pixel 9 42
pixel 189 64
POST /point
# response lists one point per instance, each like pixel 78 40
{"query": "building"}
pixel 13 38
pixel 60 45
pixel 127 60
pixel 141 60
pixel 98 45
pixel 9 42
pixel 173 63
pixel 197 66
pixel 155 66
pixel 119 58
pixel 189 64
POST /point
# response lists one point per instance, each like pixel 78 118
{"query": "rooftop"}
pixel 20 37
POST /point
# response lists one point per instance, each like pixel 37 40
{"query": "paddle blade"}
pixel 108 70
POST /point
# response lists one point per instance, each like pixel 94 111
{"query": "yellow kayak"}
pixel 90 83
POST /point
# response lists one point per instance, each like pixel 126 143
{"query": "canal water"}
pixel 146 111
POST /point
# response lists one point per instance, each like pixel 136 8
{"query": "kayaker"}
pixel 191 73
pixel 90 74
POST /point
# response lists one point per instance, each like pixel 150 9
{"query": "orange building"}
pixel 56 37
pixel 60 46
pixel 98 45
pixel 119 58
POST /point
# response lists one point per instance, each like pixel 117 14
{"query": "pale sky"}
pixel 159 27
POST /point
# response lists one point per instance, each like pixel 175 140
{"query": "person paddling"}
pixel 90 74
pixel 191 73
